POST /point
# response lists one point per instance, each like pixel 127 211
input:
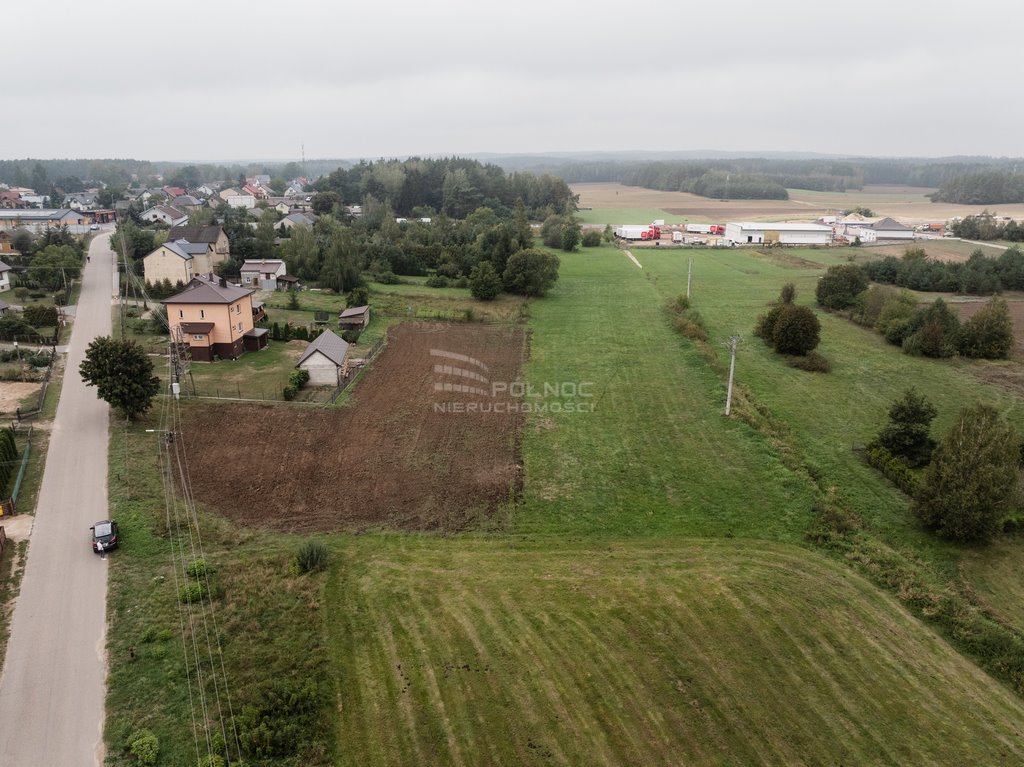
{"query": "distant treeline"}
pixel 452 185
pixel 757 176
pixel 990 187
pixel 980 275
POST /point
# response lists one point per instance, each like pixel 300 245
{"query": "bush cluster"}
pixel 687 322
pixel 288 332
pixel 791 330
pixel 895 470
pixel 296 381
pixel 980 275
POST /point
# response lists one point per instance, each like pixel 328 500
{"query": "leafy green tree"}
pixel 571 235
pixel 933 331
pixel 122 374
pixel 989 333
pixel 41 315
pixel 341 270
pixel 325 202
pixel 54 265
pixel 969 488
pixel 796 330
pixel 840 286
pixel 531 272
pixel 484 282
pixel 906 436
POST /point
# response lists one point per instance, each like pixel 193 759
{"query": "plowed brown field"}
pixel 403 454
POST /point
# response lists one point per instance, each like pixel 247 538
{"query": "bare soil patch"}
pixel 428 442
pixel 13 392
pixel 910 204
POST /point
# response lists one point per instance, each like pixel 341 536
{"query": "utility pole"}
pixel 689 275
pixel 732 369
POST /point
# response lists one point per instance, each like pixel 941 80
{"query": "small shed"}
pixel 354 318
pixel 324 358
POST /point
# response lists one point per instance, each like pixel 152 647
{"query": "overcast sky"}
pixel 220 80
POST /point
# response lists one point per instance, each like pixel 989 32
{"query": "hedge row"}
pixel 893 468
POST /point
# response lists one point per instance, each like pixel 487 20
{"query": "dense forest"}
pixel 454 186
pixel 991 187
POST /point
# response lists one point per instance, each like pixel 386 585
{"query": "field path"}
pixel 633 259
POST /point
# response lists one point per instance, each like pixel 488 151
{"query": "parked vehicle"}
pixel 104 536
pixel 634 232
pixel 706 228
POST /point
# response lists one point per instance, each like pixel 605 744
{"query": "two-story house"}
pixel 215 319
pixel 179 261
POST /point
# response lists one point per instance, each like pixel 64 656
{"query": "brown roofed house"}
pixel 215 319
pixel 355 318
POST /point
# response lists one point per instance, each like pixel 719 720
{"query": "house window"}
pixel 198 338
pixel 248 279
pixel 202 314
pixel 239 327
pixel 181 313
pixel 238 308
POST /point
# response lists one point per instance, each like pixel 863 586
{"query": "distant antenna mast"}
pixel 303 158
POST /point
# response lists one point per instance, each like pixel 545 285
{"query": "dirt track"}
pixel 395 458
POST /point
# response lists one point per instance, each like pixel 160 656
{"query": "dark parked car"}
pixel 104 536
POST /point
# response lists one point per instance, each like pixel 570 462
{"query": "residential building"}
pixel 241 200
pixel 295 219
pixel 180 261
pixel 165 214
pixel 186 202
pixel 6 245
pixel 262 274
pixel 212 235
pixel 5 277
pixel 80 201
pixel 878 229
pixel 214 319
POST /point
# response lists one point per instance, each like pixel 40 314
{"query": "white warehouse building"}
pixel 743 232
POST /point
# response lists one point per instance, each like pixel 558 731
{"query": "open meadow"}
pixel 645 593
pixel 613 203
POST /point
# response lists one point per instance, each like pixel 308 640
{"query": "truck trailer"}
pixel 635 232
pixel 706 228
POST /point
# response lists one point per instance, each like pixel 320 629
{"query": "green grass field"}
pixel 616 216
pixel 650 599
pixel 702 652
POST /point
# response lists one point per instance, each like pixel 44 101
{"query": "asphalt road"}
pixel 54 676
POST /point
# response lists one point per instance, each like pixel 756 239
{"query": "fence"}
pixel 10 504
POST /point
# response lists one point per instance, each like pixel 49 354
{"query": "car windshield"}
pixel 102 529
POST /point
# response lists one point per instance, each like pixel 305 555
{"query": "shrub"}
pixel 812 362
pixel 351 335
pixel 197 568
pixel 796 331
pixel 788 293
pixel 144 746
pixel 436 281
pixel 840 286
pixel 691 325
pixel 988 334
pixel 765 327
pixel 41 315
pixel 970 486
pixel 192 592
pixel 592 238
pixel 530 272
pixel 213 760
pixel 312 557
pixel 296 381
pixel 388 278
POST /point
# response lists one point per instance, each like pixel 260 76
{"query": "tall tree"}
pixel 969 487
pixel 122 374
pixel 906 435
